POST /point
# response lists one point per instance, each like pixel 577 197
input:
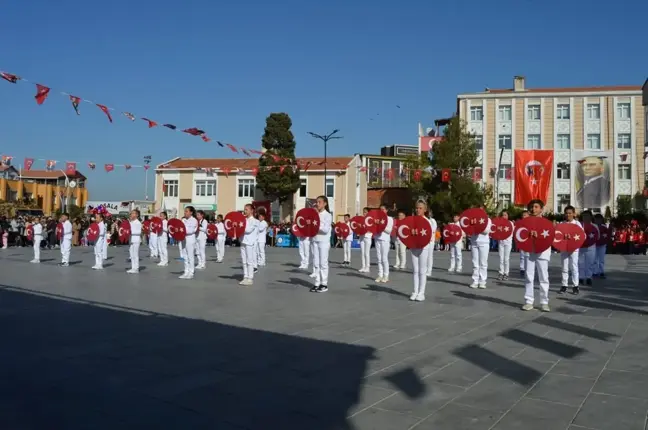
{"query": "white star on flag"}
pixel 506 229
pixel 240 224
pixel 591 235
pixel 577 237
pixel 545 233
pixel 181 229
pixel 423 232
pixel 482 220
pixel 315 222
pixel 534 182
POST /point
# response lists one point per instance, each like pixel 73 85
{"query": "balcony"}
pixel 378 181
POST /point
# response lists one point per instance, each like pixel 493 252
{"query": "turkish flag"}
pixel 445 175
pixel 533 170
pixel 70 168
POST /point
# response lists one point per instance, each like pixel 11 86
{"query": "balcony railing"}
pixel 375 181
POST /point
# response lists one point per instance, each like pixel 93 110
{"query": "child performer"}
pixel 456 260
pixel 220 239
pixel 480 247
pixel 586 256
pixel 249 243
pixel 135 240
pixel 601 250
pixel 383 242
pixel 570 259
pixel 38 238
pixel 261 239
pixel 104 251
pixel 304 252
pixel 66 240
pixel 537 263
pixel 524 256
pixel 401 255
pixel 152 243
pixel 201 239
pixel 163 241
pixel 99 244
pixel 321 244
pixel 188 245
pixel 420 259
pixel 365 247
pixel 346 244
pixel 504 248
pixel 430 264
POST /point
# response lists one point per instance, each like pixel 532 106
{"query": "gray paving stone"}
pixel 377 419
pixel 430 399
pixel 531 414
pixel 494 393
pixel 606 412
pixel 562 389
pixel 460 417
pixel 627 384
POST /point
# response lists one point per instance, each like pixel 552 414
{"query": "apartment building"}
pixel 219 186
pixel 589 129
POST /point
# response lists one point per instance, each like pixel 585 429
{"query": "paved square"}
pixel 83 349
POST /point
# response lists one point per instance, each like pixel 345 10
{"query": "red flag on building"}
pixel 70 168
pixel 445 175
pixel 255 171
pixel 92 166
pixel 146 167
pixel 28 163
pixel 9 77
pixel 109 167
pixel 477 174
pixel 226 171
pixel 533 170
pixel 417 175
pixel 205 138
pixel 127 166
pixel 41 93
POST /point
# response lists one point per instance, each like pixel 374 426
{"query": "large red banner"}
pixel 533 171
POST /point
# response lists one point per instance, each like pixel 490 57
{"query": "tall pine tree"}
pixel 455 152
pixel 278 176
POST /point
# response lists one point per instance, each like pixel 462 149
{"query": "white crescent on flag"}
pixel 228 224
pixel 400 231
pixel 461 222
pixel 518 235
pixel 298 222
pixel 367 219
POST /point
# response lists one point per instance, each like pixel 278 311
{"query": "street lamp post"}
pixel 147 162
pixel 325 138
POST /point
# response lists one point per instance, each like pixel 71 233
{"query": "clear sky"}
pixel 224 66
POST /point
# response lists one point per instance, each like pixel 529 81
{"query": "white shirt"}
pixel 262 231
pixel 221 228
pixel 67 230
pixel 102 229
pixel 324 233
pixel 386 233
pixel 136 231
pixel 483 237
pixel 349 237
pixel 165 227
pixel 433 227
pixel 250 237
pixel 38 229
pixel 202 229
pixel 191 225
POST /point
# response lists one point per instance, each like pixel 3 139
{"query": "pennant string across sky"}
pixel 43 91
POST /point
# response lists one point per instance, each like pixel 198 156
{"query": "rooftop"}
pixel 316 163
pixel 49 174
pixel 602 89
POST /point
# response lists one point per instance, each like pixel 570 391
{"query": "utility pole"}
pixel 325 138
pixel 147 163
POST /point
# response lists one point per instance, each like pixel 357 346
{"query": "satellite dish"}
pixel 72 184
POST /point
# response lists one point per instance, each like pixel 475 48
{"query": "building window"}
pixel 533 112
pixel 623 141
pixel 479 143
pixel 12 195
pixel 330 188
pixel 563 141
pixel 505 171
pixel 476 113
pixel 302 187
pixel 562 111
pixel 533 141
pixel 623 172
pixel 246 188
pixel 593 141
pixel 563 171
pixel 563 201
pixel 623 110
pixel 504 113
pixel 205 188
pixel 505 200
pixel 504 141
pixel 170 188
pixel 594 111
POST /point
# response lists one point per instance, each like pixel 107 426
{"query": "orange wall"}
pixel 45 191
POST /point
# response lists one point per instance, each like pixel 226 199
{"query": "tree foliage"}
pixel 624 206
pixel 455 152
pixel 281 180
pixel 73 210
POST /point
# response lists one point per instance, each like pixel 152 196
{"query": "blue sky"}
pixel 224 66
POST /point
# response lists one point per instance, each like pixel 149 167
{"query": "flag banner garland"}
pixel 42 92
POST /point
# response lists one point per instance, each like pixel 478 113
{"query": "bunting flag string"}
pixel 69 167
pixel 43 91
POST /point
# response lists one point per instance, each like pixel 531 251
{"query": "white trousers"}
pixel 569 266
pixel 320 261
pixel 98 251
pixel 419 266
pixel 304 252
pixel 163 252
pixel 480 262
pixel 382 256
pixel 188 254
pixel 220 247
pixel 104 251
pixel 599 263
pixel 586 257
pixel 133 252
pixel 524 256
pixel 37 243
pixel 182 250
pixel 430 261
pixel 456 259
pixel 260 251
pixel 153 249
pixel 66 247
pixel 541 267
pixel 201 245
pixel 346 246
pixel 401 255
pixel 248 260
pixel 365 248
pixel 504 257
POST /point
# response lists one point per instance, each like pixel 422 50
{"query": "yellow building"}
pixel 222 185
pixel 50 190
pixel 578 124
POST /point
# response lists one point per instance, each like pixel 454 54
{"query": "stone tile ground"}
pixel 91 350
